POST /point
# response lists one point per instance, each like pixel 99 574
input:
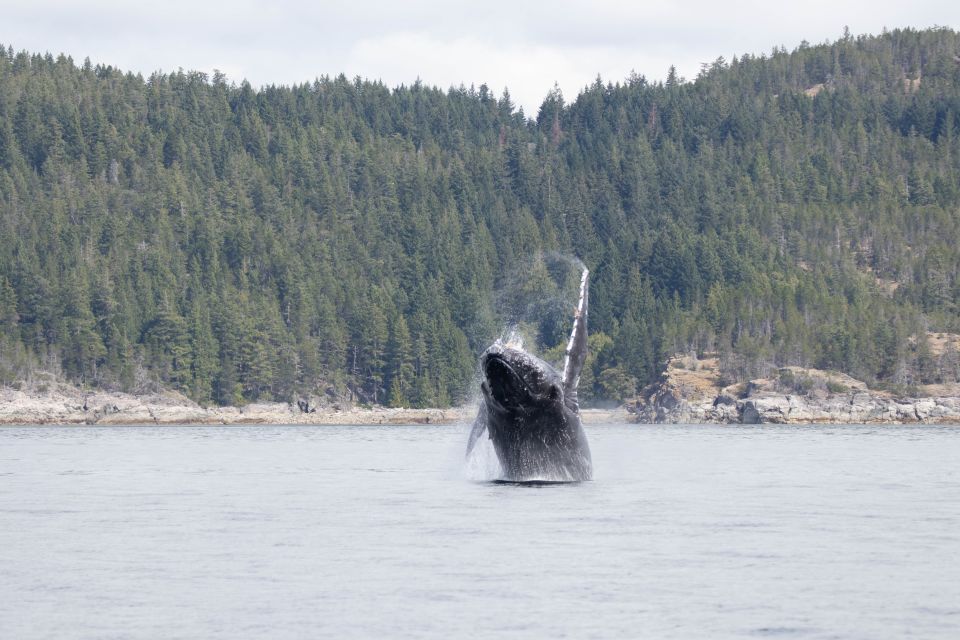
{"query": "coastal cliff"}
pixel 691 391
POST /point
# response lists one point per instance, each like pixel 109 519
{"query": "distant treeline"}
pixel 343 237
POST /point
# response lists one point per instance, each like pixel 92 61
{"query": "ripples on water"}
pixel 306 532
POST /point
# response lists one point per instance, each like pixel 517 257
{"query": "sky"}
pixel 526 47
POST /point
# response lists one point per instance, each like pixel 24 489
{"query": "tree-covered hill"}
pixel 798 208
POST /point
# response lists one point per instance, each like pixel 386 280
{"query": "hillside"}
pixel 349 240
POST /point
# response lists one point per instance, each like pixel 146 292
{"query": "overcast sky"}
pixel 526 46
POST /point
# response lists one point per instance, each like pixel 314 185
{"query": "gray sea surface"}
pixel 365 531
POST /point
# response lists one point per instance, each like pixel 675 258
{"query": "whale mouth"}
pixel 505 385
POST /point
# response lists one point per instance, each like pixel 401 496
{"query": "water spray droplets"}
pixel 513 339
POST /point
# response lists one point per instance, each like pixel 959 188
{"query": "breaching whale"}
pixel 530 411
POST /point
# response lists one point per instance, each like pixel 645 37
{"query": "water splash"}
pixel 482 464
pixel 512 338
pixel 533 302
pixel 566 258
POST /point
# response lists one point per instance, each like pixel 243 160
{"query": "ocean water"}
pixel 330 532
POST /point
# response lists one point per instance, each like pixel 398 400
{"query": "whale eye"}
pixel 554 392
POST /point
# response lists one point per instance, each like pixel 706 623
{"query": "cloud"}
pixel 528 70
pixel 525 46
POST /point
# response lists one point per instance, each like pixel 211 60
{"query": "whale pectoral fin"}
pixel 479 427
pixel 576 353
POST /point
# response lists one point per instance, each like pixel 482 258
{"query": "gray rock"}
pixel 665 405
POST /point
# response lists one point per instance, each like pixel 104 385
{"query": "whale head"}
pixel 515 380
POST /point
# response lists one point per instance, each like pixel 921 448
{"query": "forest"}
pixel 344 239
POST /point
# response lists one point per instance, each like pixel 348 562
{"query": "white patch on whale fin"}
pixel 576 353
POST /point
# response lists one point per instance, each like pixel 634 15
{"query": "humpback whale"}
pixel 530 411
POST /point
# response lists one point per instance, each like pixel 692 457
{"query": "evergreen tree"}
pixel 344 238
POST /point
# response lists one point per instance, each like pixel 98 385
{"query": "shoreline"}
pixel 65 405
pixel 69 406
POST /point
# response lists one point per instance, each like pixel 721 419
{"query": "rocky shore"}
pixel 852 408
pixel 62 404
pixel 690 392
